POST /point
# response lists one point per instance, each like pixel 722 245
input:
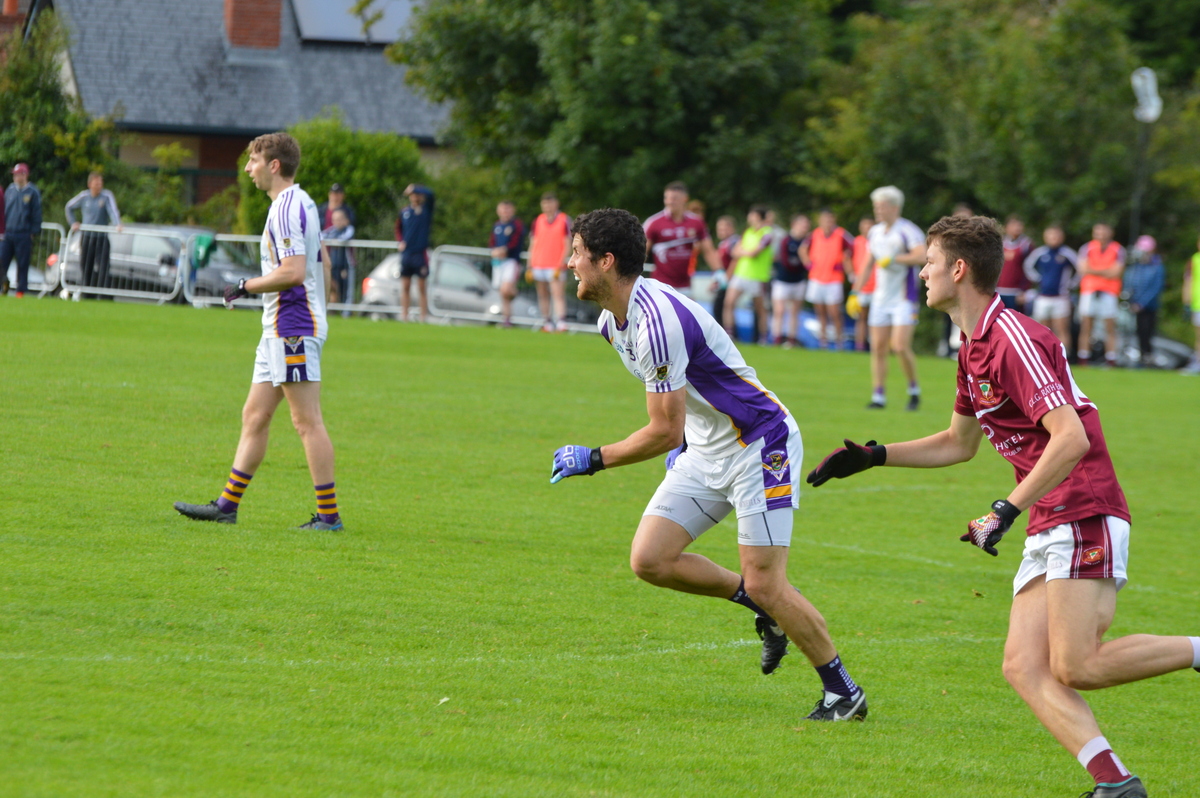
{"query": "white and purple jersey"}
pixel 669 342
pixel 896 281
pixel 293 228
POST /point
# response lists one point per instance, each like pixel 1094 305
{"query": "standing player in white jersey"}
pixel 742 452
pixel 288 362
pixel 897 247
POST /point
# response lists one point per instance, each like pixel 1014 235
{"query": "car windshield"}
pixel 455 274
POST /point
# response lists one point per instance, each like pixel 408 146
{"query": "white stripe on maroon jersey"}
pixel 1031 360
pixel 1020 336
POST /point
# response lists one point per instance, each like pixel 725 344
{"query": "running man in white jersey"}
pixel 897 250
pixel 288 362
pixel 742 452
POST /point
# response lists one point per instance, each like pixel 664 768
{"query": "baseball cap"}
pixel 1146 244
pixel 336 188
pixel 21 169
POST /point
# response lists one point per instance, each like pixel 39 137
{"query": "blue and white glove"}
pixel 673 455
pixel 571 461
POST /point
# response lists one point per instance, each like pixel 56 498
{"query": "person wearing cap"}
pixel 23 220
pixel 1144 278
pixel 337 199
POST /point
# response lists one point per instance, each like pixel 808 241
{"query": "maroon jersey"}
pixel 1011 373
pixel 671 244
pixel 1013 279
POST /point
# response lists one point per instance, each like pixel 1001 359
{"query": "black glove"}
pixel 850 459
pixel 986 532
pixel 233 292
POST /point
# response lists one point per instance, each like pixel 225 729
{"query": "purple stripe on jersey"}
pixel 604 332
pixel 748 407
pixel 777 465
pixel 657 320
pixel 651 333
pixel 911 282
pixel 294 316
pixel 303 220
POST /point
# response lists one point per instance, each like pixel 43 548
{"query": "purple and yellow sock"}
pixel 231 497
pixel 326 503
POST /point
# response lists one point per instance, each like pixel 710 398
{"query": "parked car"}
pixel 455 285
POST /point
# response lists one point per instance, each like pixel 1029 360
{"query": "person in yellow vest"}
pixel 1101 264
pixel 754 253
pixel 1191 299
pixel 829 251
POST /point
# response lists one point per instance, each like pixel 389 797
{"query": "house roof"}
pixel 172 69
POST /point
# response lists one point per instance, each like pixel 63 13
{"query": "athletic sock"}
pixel 1195 652
pixel 1098 757
pixel 327 509
pixel 836 679
pixel 231 497
pixel 914 389
pixel 878 396
pixel 740 596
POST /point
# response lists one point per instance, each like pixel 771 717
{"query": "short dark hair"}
pixel 549 195
pixel 615 231
pixel 978 241
pixel 278 147
pixel 677 185
pixel 1014 217
pixel 761 210
pixel 95 173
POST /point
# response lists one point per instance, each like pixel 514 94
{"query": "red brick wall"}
pixel 253 23
pixel 218 153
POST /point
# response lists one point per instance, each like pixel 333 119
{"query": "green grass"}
pixel 476 631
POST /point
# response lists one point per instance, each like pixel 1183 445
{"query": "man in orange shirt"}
pixel 860 302
pixel 828 251
pixel 549 250
pixel 1101 264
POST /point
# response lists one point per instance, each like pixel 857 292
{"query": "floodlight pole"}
pixel 1147 112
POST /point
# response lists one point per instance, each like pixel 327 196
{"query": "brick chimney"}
pixel 11 20
pixel 253 23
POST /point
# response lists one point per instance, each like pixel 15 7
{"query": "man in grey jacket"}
pixel 23 221
pixel 98 206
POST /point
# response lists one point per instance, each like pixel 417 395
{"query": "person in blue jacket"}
pixel 22 221
pixel 1144 277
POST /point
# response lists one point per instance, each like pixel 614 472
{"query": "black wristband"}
pixel 242 287
pixel 596 461
pixel 1006 510
pixel 878 453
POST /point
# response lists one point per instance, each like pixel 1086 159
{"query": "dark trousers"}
pixel 1147 325
pixel 20 246
pixel 94 254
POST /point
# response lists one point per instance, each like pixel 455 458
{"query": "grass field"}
pixel 476 631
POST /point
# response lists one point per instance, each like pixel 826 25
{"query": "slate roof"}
pixel 167 66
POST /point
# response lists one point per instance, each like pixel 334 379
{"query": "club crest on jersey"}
pixel 287 243
pixel 293 343
pixel 1093 555
pixel 987 396
pixel 775 463
pixel 660 372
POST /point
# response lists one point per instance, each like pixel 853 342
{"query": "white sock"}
pixel 1092 747
pixel 1195 651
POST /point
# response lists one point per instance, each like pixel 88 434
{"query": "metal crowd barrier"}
pixel 43 260
pixel 131 262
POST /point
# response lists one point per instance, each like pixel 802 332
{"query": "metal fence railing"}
pixel 42 277
pixel 131 261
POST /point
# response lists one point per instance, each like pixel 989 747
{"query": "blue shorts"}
pixel 414 264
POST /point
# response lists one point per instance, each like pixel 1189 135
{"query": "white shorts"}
pixel 1051 307
pixel 280 360
pixel 787 292
pixel 505 271
pixel 756 482
pixel 1090 548
pixel 825 293
pixel 746 286
pixel 548 275
pixel 897 313
pixel 1196 318
pixel 1098 305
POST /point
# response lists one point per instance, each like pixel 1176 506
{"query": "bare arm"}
pixel 1068 444
pixel 914 257
pixel 862 279
pixel 957 444
pixel 711 256
pixel 663 433
pixel 1113 274
pixel 288 274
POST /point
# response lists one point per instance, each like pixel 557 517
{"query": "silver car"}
pixel 455 284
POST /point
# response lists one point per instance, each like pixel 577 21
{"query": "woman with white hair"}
pixel 897 248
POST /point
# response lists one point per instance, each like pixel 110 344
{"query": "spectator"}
pixel 337 199
pixel 754 254
pixel 1051 267
pixel 549 251
pixel 413 228
pixel 728 238
pixel 1017 246
pixel 829 252
pixel 788 281
pixel 897 246
pixel 340 256
pixel 23 221
pixel 671 236
pixel 505 241
pixel 1101 263
pixel 1191 303
pixel 860 301
pixel 962 210
pixel 98 206
pixel 1144 280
